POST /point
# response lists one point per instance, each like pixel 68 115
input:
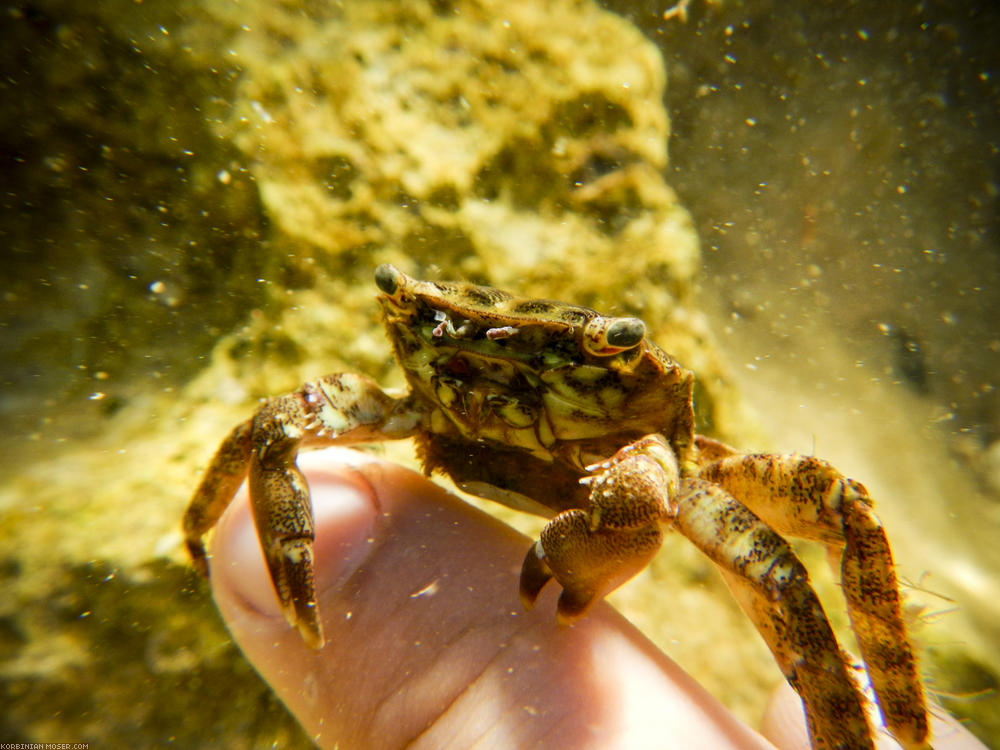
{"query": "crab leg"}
pixel 773 588
pixel 336 409
pixel 223 477
pixel 636 495
pixel 806 497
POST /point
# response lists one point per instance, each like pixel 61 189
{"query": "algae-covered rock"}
pixel 467 140
pixel 487 141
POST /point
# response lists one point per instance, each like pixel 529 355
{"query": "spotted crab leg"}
pixel 336 409
pixel 639 493
pixel 806 497
pixel 772 586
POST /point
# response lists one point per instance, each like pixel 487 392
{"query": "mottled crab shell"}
pixel 560 381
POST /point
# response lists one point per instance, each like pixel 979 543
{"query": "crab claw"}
pixel 575 599
pixel 283 516
pixel 535 573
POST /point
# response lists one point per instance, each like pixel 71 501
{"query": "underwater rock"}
pixel 477 140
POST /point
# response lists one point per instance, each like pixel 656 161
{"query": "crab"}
pixel 577 416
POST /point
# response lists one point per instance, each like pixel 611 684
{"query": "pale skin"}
pixel 428 645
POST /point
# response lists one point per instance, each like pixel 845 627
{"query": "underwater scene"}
pixel 801 202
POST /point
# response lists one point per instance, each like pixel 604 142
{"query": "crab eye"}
pixel 606 336
pixel 388 279
pixel 625 333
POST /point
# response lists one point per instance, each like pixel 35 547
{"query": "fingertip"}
pixel 426 638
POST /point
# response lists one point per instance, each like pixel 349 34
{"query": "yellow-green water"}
pixel 197 196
